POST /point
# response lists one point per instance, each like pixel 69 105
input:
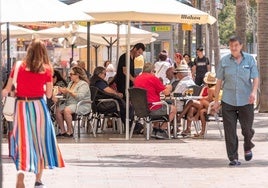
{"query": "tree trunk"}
pixel 215 33
pixel 263 53
pixel 241 21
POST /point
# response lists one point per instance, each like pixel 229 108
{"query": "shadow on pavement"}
pixel 141 161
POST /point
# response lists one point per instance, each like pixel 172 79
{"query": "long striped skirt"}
pixel 33 142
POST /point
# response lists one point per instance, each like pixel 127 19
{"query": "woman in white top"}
pixel 110 70
pixel 161 67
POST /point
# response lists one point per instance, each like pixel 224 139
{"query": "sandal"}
pixel 199 136
pixel 186 133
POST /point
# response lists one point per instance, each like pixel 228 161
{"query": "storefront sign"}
pixel 161 28
pixel 187 27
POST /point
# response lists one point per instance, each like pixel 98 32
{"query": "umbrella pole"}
pixel 111 50
pixel 127 81
pixel 117 43
pixel 72 52
pixel 88 48
pixel 96 55
pixel 8 50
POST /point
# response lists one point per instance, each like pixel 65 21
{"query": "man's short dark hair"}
pixel 98 70
pixel 139 46
pixel 235 39
pixel 200 49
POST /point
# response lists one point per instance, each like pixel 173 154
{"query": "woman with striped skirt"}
pixel 33 142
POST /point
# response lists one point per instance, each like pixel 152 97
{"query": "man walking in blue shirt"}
pixel 237 74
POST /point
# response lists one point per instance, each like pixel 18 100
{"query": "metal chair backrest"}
pixel 112 101
pixel 138 99
pixel 81 104
pixel 93 91
pixel 197 89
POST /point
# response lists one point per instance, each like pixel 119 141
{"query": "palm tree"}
pixel 241 21
pixel 262 52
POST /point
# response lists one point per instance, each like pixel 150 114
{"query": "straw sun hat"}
pixel 182 68
pixel 210 78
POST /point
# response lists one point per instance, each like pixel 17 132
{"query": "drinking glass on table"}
pixel 186 93
pixel 191 91
pixel 55 90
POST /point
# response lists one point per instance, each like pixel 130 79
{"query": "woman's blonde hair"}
pixel 81 73
pixel 37 56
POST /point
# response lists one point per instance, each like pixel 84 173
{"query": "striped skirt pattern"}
pixel 33 141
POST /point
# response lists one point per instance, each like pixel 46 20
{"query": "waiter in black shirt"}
pixel 120 78
pixel 201 67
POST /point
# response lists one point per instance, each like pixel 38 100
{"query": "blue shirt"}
pixel 237 78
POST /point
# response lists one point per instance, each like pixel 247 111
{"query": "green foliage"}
pixel 227 23
pixel 226 20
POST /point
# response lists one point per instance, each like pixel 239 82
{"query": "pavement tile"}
pixel 105 163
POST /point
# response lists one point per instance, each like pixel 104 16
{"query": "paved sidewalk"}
pixel 197 163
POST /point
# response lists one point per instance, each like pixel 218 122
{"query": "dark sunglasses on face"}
pixel 71 74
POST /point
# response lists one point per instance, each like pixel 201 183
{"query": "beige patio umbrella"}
pixel 50 12
pixel 103 34
pixel 16 31
pixel 38 12
pixel 109 34
pixel 168 11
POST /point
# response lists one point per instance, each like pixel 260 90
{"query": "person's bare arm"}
pixel 8 87
pixel 49 87
pixel 112 91
pixel 252 96
pixel 216 105
pixel 130 76
pixel 211 94
pixel 167 90
pixel 208 68
pixel 193 71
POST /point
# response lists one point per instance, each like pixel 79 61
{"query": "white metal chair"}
pixel 216 117
pixel 77 117
pixel 100 115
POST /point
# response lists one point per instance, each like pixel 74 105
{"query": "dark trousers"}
pixel 245 115
pixel 199 80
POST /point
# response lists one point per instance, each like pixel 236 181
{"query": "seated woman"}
pixel 210 81
pixel 98 80
pixel 77 90
pixel 58 81
pixel 197 109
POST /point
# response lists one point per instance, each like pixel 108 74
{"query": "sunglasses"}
pixel 71 74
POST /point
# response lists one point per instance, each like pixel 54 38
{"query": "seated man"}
pixel 182 73
pixel 98 80
pixel 148 81
pixel 171 76
pixel 77 90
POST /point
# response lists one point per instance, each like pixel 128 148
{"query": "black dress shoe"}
pixel 68 135
pixel 60 134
